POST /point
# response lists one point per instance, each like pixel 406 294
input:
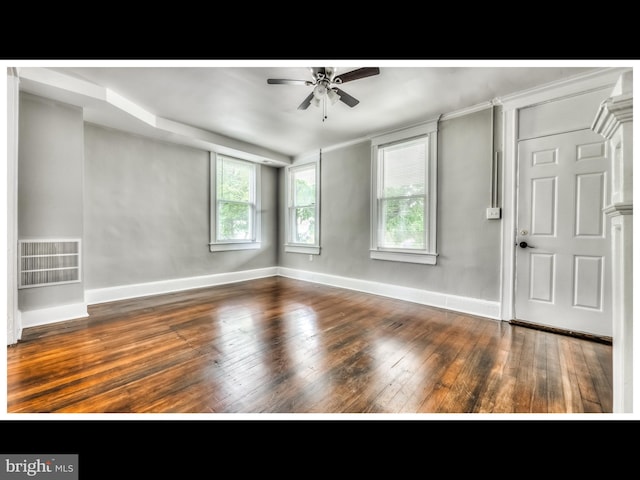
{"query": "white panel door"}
pixel 562 266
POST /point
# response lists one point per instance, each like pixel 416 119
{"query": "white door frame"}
pixel 511 104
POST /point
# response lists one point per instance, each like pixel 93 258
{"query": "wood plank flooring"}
pixel 278 345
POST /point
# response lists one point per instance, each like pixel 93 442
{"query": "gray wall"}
pixel 50 186
pixel 468 244
pixel 144 215
pixel 147 212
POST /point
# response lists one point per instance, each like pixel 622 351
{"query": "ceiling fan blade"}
pixel 346 98
pixel 284 81
pixel 356 74
pixel 306 102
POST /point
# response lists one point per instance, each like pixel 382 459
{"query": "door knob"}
pixel 525 245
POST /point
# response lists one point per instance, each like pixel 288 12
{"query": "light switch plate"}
pixel 493 213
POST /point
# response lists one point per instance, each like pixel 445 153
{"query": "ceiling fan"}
pixel 325 83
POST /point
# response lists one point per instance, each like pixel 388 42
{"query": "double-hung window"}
pixel 403 206
pixel 235 204
pixel 303 220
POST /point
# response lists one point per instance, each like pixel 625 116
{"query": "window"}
pixel 403 206
pixel 302 222
pixel 235 203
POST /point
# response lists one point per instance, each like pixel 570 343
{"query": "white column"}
pixel 614 121
pixel 13 97
pixel 509 209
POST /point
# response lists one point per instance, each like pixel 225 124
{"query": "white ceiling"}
pixel 237 102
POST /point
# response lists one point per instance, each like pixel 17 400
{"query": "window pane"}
pixel 304 186
pixel 404 169
pixel 402 223
pixel 234 180
pixel 304 223
pixel 234 221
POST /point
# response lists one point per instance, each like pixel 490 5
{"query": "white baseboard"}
pixel 124 292
pixel 44 316
pixel 12 327
pixel 19 327
pixel 472 306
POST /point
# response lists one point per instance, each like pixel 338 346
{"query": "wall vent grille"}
pixel 48 262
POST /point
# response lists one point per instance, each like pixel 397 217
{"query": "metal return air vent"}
pixel 48 262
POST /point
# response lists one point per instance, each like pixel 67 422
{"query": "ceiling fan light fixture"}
pixel 333 96
pixel 320 91
pixel 315 101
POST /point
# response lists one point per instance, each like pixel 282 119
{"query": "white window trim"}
pixel 230 245
pixel 428 255
pixel 290 246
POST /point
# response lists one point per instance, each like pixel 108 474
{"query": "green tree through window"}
pixel 235 200
pixel 302 206
pixel 402 198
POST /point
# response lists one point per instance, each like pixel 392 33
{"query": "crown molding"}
pixel 575 85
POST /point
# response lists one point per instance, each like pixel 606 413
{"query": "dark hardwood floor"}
pixel 286 346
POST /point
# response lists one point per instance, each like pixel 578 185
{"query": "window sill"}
pixel 421 258
pixel 310 250
pixel 224 247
